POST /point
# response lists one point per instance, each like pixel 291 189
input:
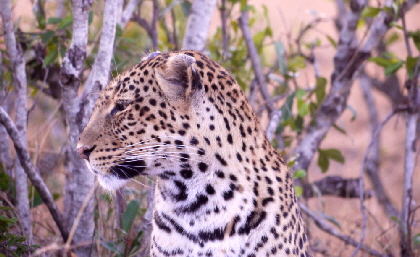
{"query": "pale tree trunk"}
pixel 198 25
pixel 78 110
pixel 19 80
pixel 6 158
pixel 79 180
pixel 99 75
pixel 126 15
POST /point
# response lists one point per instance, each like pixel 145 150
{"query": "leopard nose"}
pixel 84 151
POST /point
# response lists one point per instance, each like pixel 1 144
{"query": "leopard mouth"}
pixel 128 169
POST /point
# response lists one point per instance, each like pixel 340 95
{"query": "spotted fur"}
pixel 221 188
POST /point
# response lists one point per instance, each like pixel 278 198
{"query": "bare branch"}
pixel 335 186
pixel 323 225
pixel 198 25
pixel 20 84
pixel 225 35
pixel 32 174
pixel 410 160
pixel 255 60
pixel 372 159
pixel 152 27
pixel 154 24
pixel 128 12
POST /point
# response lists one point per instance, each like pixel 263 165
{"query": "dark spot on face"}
pixel 194 141
pixel 220 174
pixel 202 166
pixel 186 173
pixel 209 189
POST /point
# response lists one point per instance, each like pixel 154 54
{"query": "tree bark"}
pixel 19 80
pixel 198 25
pixel 79 180
pixel 99 75
pixel 410 162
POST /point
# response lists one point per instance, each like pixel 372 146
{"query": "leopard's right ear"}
pixel 179 78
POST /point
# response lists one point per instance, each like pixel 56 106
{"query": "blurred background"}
pixel 363 53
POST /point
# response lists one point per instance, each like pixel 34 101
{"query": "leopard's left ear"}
pixel 179 78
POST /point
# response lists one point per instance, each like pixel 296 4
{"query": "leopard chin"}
pixel 111 182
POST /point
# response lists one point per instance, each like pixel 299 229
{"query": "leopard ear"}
pixel 178 78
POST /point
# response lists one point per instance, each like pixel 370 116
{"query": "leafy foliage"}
pixel 10 242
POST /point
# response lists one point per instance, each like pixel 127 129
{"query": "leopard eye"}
pixel 119 106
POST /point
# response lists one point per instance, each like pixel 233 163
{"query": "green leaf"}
pixel 299 191
pixel 303 107
pixel 416 240
pixel 416 38
pixel 111 246
pixel 339 129
pixel 370 12
pixel 130 214
pixel 301 173
pixel 280 57
pixel 332 41
pixel 320 88
pixel 384 62
pixel 50 58
pixel 286 109
pixel 90 19
pixel 296 63
pixel 65 22
pixel 323 161
pixel 334 154
pixel 392 38
pixel 300 93
pixel 47 36
pixel 411 63
pixel 54 20
pixel 391 69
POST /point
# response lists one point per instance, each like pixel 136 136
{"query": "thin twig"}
pixel 361 184
pixel 323 225
pixel 154 25
pixel 58 247
pixel 225 36
pixel 372 159
pixel 32 174
pixel 255 60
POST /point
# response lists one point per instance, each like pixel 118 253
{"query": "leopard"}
pixel 221 188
